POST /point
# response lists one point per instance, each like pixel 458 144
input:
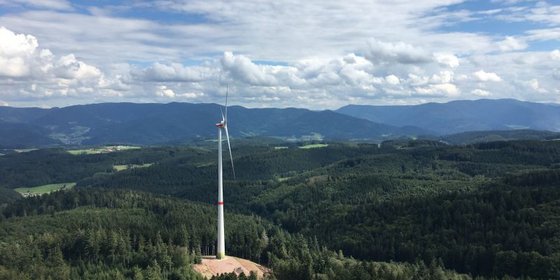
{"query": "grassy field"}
pixel 314 146
pixel 121 167
pixel 102 150
pixel 44 189
pixel 24 150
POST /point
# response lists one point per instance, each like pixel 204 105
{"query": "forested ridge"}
pixel 346 211
pixel 104 234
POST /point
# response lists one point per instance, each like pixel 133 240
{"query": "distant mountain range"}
pixel 462 116
pixel 146 124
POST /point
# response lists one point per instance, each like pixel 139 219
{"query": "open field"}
pixel 122 167
pixel 24 150
pixel 314 146
pixel 44 189
pixel 102 150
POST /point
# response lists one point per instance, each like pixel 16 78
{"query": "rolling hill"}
pixel 463 115
pixel 146 124
pixel 499 135
pixel 149 124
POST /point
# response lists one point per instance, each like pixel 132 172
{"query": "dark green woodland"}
pixel 401 210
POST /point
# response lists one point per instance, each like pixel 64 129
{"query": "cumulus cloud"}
pixel 446 89
pixel 555 54
pixel 167 92
pixel 443 77
pixel 312 56
pixel 398 52
pixel 174 72
pixel 511 43
pixel 534 85
pixel 164 91
pixel 447 59
pixel 483 76
pixel 43 74
pixel 392 80
pixel 20 57
pixel 480 92
pixel 191 95
pixel 242 68
pixel 16 53
pixel 68 67
pixel 350 77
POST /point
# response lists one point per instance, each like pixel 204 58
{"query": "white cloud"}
pixel 447 59
pixel 68 67
pixel 399 52
pixel 168 93
pixel 483 76
pixel 191 95
pixel 174 72
pixel 164 91
pixel 443 77
pixel 20 57
pixel 446 89
pixel 2 103
pixel 544 34
pixel 545 12
pixel 393 80
pixel 534 85
pixel 242 68
pixel 32 72
pixel 480 92
pixel 313 56
pixel 555 54
pixel 16 53
pixel 511 43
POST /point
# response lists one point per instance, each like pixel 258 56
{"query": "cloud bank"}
pixel 275 54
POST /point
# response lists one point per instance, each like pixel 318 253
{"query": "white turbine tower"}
pixel 221 251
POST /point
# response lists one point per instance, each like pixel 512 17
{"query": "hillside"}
pixel 173 123
pixel 8 195
pixel 102 234
pixel 476 209
pixel 463 115
pixel 146 124
pixel 499 135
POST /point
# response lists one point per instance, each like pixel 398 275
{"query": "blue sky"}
pixel 313 54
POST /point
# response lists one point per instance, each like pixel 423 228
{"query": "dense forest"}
pixel 103 234
pixel 400 210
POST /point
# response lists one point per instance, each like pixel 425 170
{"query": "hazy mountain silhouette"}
pixel 130 123
pixel 461 116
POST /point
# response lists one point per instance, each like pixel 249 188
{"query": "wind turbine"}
pixel 221 251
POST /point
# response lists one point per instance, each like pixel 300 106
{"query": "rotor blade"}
pixel 222 111
pixel 227 92
pixel 230 155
